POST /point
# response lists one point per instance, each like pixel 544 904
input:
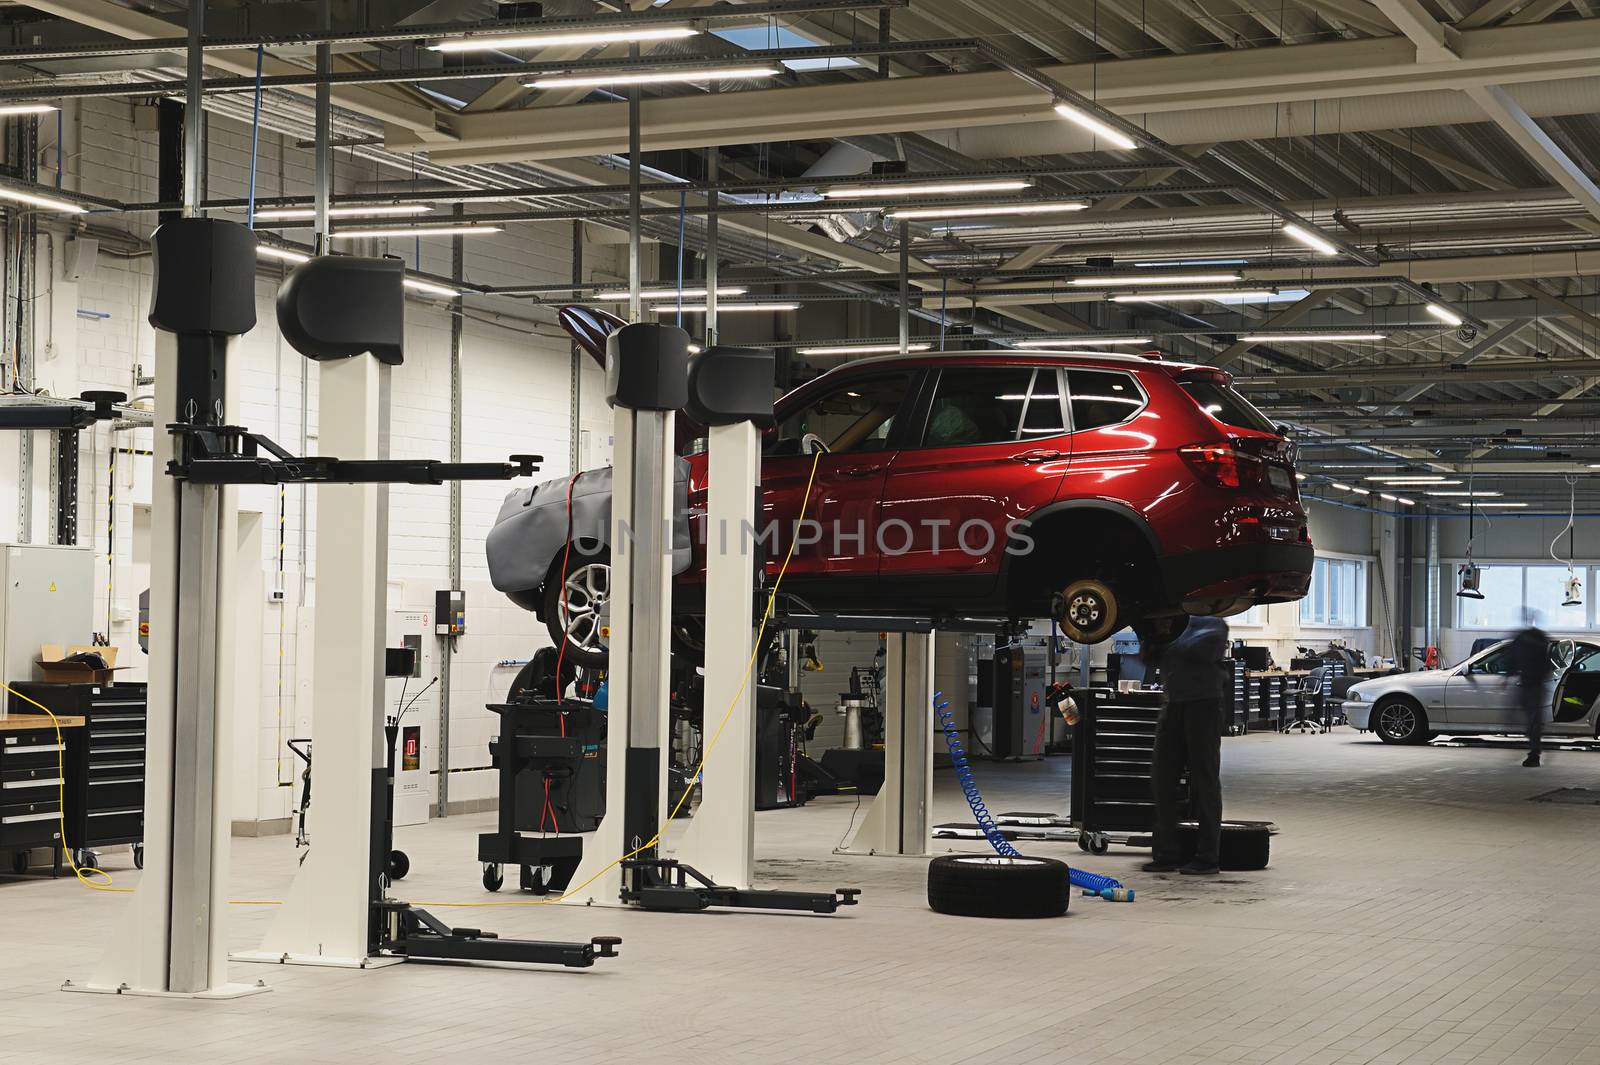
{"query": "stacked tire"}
pixel 1246 846
pixel 988 885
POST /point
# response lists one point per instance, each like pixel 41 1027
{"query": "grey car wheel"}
pixel 1397 720
pixel 576 610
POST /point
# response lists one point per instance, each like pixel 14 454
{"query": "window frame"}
pixel 917 438
pixel 1363 619
pixel 915 393
pixel 1588 570
pixel 1066 385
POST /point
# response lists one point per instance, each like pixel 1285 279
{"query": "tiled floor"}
pixel 1418 909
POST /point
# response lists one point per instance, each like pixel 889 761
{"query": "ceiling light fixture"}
pixel 1191 297
pixel 862 349
pixel 724 308
pixel 1403 501
pixel 552 40
pixel 1387 496
pixel 1095 126
pixel 1501 505
pixel 985 210
pixel 617 295
pixel 1404 479
pixel 1444 314
pixel 1156 279
pixel 1341 487
pixel 654 77
pixel 1289 338
pixel 282 253
pixel 429 287
pixel 274 214
pixel 27 109
pixel 1464 495
pixel 44 203
pixel 1309 239
pixel 1360 491
pixel 922 188
pixel 416 231
pixel 1088 342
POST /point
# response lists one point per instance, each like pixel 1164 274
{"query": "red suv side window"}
pixel 1103 397
pixel 992 405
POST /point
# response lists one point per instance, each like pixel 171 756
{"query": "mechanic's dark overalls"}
pixel 1530 661
pixel 1189 736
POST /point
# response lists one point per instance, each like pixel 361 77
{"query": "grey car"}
pixel 1479 696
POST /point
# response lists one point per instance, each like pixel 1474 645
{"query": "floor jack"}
pixel 665 884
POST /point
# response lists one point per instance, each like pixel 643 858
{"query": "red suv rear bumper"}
pixel 1268 573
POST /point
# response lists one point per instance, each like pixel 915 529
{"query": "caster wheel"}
pixel 19 862
pixel 85 859
pixel 535 879
pixel 1083 843
pixel 493 878
pixel 398 865
pixel 138 855
pixel 1099 844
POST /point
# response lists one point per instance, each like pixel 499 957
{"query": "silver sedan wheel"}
pixel 1399 720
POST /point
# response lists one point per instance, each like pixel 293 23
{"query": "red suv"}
pixel 1099 489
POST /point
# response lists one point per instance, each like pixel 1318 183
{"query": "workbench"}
pixel 36 770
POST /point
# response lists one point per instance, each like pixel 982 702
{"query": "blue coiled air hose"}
pixel 1091 883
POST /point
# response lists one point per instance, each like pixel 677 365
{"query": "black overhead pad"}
pixel 729 385
pixel 339 306
pixel 205 278
pixel 647 367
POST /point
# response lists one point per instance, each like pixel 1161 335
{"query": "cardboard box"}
pixel 54 669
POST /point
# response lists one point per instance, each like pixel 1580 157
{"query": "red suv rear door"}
pixel 991 448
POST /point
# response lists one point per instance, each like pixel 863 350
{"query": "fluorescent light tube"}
pixel 1480 505
pixel 551 40
pixel 1289 338
pixel 282 253
pixel 1157 279
pixel 985 210
pixel 417 231
pixel 1390 498
pixel 618 294
pixel 921 188
pixel 44 203
pixel 1109 342
pixel 862 349
pixel 1309 239
pixel 653 77
pixel 1095 126
pixel 1444 314
pixel 1429 479
pixel 429 287
pixel 27 109
pixel 1474 495
pixel 273 214
pixel 724 308
pixel 1341 487
pixel 1190 297
pixel 1403 501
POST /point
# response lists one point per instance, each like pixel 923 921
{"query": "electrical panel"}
pixel 46 596
pixel 411 695
pixel 450 612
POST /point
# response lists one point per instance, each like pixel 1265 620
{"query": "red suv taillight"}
pixel 1223 465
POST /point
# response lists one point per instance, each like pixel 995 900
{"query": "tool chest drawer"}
pixel 105 790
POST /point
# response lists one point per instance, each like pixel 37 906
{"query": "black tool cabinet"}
pixel 1240 698
pixel 105 803
pixel 1113 760
pixel 35 765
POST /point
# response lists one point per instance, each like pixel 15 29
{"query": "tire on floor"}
pixel 987 885
pixel 1245 847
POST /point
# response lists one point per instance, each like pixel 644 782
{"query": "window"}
pixel 1102 397
pixel 1509 590
pixel 1254 618
pixel 1218 399
pixel 855 416
pixel 1497 663
pixel 978 405
pixel 1338 594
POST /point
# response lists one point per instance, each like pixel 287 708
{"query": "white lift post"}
pixel 899 821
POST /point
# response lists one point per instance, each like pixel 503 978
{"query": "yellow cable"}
pixel 61 796
pixel 749 670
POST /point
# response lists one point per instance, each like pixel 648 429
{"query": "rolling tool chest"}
pixel 105 801
pixel 1113 759
pixel 32 782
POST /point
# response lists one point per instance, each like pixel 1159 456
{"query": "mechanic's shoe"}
pixel 1530 762
pixel 1159 866
pixel 1200 869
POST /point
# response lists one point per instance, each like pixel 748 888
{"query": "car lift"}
pixel 173 942
pixel 649 378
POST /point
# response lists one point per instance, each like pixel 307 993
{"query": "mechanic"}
pixel 1189 736
pixel 1530 664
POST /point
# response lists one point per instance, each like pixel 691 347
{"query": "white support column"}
pixel 900 818
pixel 172 941
pixel 720 841
pixel 324 921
